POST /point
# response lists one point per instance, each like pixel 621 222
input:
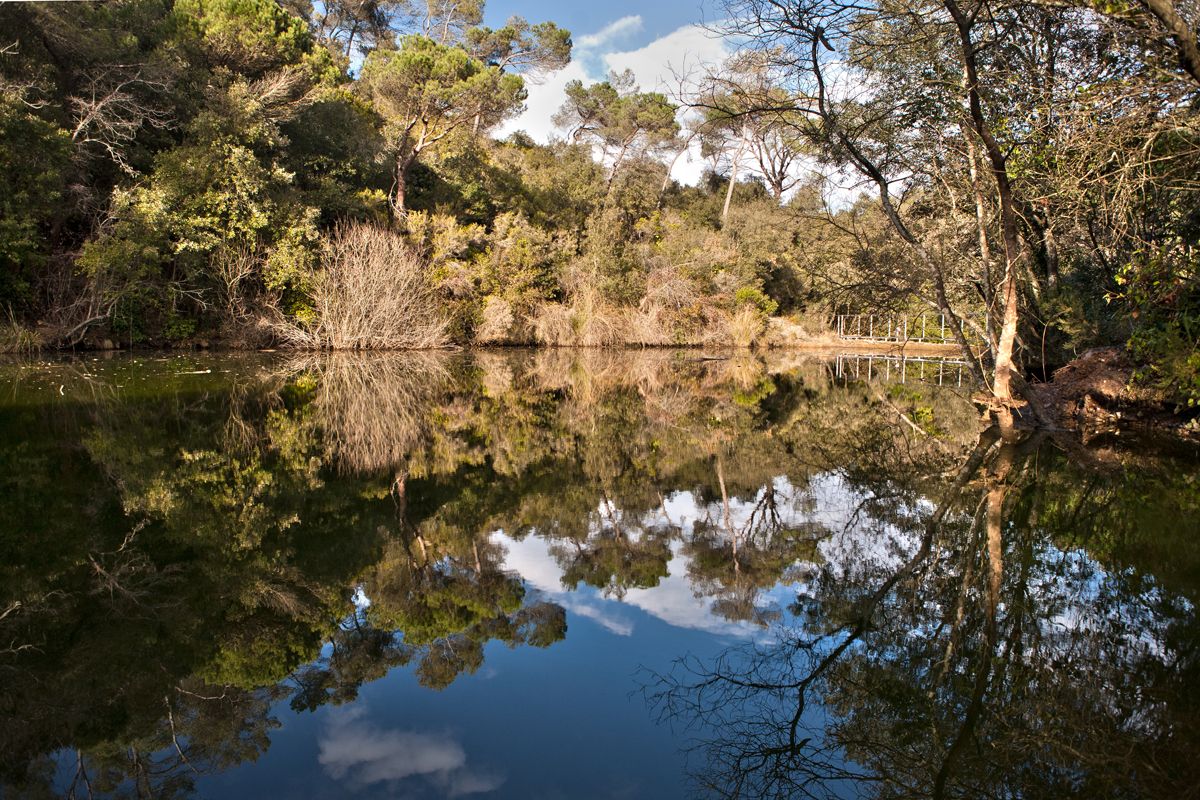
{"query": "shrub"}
pixel 744 327
pixel 552 325
pixel 15 338
pixel 496 322
pixel 373 293
pixel 587 321
pixel 753 296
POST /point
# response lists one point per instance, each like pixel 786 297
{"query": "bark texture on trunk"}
pixel 400 186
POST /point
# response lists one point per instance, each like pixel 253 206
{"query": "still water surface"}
pixel 581 575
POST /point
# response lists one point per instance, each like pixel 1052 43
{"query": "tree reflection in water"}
pixel 975 614
pixel 1005 651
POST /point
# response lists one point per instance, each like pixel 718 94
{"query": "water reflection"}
pixel 358 753
pixel 987 654
pixel 196 552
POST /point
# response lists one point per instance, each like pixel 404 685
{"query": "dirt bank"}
pixel 1096 394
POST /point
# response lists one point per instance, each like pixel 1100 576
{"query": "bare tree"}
pixel 113 108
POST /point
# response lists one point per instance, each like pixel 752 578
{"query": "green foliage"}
pixel 36 157
pixel 436 87
pixel 149 143
pixel 1163 292
pixel 521 263
pixel 250 139
pixel 754 297
pixel 332 149
pixel 426 91
pixel 619 118
pixel 539 48
pixel 250 37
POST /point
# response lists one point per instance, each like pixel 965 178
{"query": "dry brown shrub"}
pixel 594 322
pixel 496 324
pixel 742 328
pixel 373 294
pixel 551 324
pixel 667 287
pixel 650 327
pixel 586 321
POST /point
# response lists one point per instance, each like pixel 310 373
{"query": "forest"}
pixel 263 173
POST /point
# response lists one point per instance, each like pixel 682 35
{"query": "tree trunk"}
pixel 1002 383
pixel 985 249
pixel 1004 364
pixel 667 178
pixel 733 171
pixel 404 163
pixel 612 175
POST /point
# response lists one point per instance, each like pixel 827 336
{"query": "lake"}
pixel 582 574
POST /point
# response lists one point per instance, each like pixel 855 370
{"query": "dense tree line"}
pixel 183 171
pixel 178 171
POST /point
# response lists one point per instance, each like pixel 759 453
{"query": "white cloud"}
pixel 531 559
pixel 610 33
pixel 599 614
pixel 664 64
pixel 544 100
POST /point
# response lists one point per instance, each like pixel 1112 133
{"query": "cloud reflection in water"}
pixel 361 753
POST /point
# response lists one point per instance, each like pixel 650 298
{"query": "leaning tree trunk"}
pixel 733 171
pixel 1004 361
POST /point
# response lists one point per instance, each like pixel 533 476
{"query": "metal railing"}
pixel 932 328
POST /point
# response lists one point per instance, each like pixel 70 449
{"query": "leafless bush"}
pixel 232 266
pixel 373 294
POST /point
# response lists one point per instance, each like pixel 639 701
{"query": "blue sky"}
pixel 657 41
pixel 659 17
